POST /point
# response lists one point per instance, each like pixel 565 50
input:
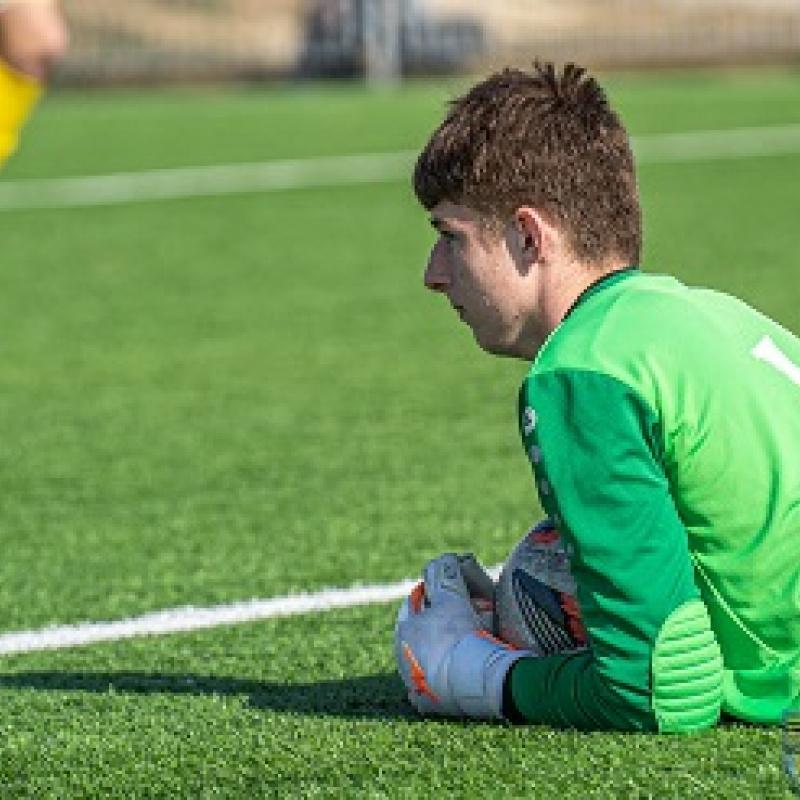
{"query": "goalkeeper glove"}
pixel 449 665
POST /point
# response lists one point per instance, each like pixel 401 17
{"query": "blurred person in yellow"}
pixel 33 36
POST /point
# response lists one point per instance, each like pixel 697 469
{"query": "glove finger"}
pixel 443 579
pixel 478 581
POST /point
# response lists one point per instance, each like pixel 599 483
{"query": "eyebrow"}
pixel 440 225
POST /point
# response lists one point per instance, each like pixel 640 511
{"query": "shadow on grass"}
pixel 368 696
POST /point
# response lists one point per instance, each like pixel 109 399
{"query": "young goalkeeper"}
pixel 662 424
pixel 33 36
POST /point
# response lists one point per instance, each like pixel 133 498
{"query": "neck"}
pixel 561 290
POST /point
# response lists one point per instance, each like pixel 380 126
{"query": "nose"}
pixel 435 273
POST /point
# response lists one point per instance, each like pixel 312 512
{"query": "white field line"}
pixel 182 182
pixel 274 176
pixel 191 618
pixel 717 145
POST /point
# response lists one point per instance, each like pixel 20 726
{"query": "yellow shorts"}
pixel 18 95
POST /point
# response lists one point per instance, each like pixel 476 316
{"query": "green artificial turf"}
pixel 295 708
pixel 213 399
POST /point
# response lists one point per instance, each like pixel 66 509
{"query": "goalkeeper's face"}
pixel 482 268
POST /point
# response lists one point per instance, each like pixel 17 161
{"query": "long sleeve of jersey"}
pixel 653 663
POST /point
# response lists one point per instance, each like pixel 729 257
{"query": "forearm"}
pixel 33 36
pixel 565 691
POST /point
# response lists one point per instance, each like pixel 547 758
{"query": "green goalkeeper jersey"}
pixel 663 426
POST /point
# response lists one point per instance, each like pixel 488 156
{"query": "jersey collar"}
pixel 601 283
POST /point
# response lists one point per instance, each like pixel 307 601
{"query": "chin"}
pixel 495 348
pixel 505 349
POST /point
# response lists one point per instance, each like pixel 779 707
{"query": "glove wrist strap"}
pixel 478 666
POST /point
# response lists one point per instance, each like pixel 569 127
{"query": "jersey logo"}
pixel 528 421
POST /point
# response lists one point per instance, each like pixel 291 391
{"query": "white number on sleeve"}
pixel 767 350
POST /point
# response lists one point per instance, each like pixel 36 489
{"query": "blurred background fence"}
pixel 156 40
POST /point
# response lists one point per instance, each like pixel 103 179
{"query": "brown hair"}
pixel 542 139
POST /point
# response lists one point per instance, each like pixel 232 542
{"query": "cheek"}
pixel 483 275
pixel 469 266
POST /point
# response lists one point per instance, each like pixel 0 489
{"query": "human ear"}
pixel 529 227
